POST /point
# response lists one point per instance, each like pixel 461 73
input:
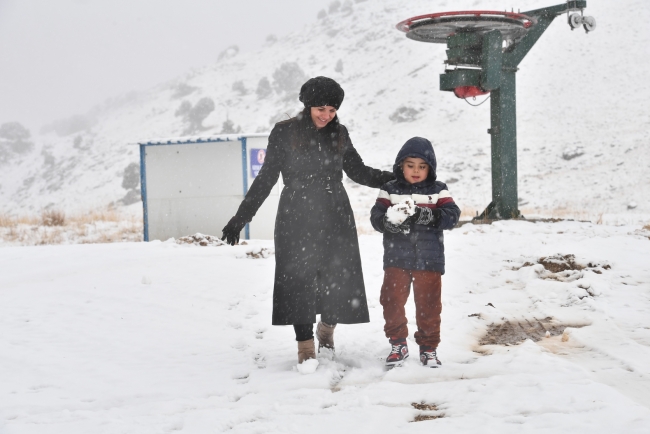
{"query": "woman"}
pixel 318 267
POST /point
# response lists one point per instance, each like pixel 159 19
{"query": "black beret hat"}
pixel 320 91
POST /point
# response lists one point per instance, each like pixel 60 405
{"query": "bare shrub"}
pixel 182 90
pixel 263 88
pixel 229 53
pixel 647 227
pixel 15 137
pixel 195 115
pixel 53 217
pixel 71 125
pixel 229 127
pixel 240 88
pixel 339 66
pixel 288 78
pixel 404 114
pixel 131 177
pixel 271 39
pixel 184 108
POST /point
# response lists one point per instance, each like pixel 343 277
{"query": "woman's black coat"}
pixel 318 267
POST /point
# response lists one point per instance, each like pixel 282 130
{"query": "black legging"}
pixel 305 332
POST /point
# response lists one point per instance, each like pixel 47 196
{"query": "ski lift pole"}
pixel 485 49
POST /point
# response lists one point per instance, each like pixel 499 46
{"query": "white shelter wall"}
pixel 197 187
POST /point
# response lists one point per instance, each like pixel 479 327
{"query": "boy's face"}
pixel 415 169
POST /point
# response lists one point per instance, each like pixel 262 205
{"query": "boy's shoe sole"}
pixel 432 366
pixel 429 359
pixel 391 365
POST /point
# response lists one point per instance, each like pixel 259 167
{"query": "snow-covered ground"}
pixel 161 337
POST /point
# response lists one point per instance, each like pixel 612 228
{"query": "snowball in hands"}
pixel 399 212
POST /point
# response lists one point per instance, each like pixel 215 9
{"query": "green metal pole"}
pixel 503 117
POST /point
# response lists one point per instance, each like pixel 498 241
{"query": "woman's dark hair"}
pixel 303 132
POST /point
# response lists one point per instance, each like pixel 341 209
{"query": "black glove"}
pixel 413 219
pixel 232 229
pixel 394 228
pixel 423 216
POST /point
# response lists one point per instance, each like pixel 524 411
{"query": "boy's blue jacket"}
pixel 422 248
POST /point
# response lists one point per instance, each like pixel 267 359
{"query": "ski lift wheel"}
pixel 437 27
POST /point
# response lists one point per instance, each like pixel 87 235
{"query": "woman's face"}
pixel 322 116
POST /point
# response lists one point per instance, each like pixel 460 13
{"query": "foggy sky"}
pixel 61 57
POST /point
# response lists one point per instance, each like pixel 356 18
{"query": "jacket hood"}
pixel 417 147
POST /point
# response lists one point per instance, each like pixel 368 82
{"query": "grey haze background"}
pixel 62 57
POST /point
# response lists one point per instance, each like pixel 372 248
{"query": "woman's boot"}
pixel 325 335
pixel 306 350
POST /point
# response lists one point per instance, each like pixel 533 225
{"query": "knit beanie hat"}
pixel 321 91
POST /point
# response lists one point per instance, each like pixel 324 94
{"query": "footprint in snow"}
pixel 260 361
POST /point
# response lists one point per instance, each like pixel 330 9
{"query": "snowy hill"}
pixel 579 95
pixel 160 337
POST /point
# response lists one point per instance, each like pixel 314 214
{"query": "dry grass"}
pixel 647 227
pixel 57 227
pixel 594 216
pixel 5 221
pixel 53 217
pixel 9 221
pixel 468 213
pixel 108 215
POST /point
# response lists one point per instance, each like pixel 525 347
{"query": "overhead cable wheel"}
pixel 437 27
pixel 589 23
pixel 575 21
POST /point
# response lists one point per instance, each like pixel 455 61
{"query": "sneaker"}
pixel 429 358
pixel 398 353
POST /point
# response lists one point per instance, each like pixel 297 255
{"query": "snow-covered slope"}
pixel 160 337
pixel 576 93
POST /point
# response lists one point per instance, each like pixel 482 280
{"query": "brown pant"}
pixel 427 287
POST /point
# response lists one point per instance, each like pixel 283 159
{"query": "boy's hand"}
pixel 396 228
pixel 413 219
pixel 423 216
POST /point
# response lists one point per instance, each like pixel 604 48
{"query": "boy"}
pixel 413 249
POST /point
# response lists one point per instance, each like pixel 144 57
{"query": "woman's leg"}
pixel 325 334
pixel 305 338
pixel 304 332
